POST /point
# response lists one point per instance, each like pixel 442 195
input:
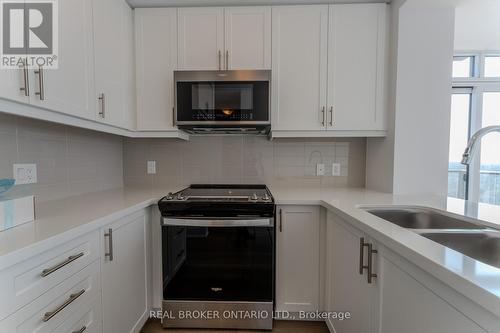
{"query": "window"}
pixel 459 135
pixel 463 66
pixel 489 189
pixel 492 66
pixel 475 104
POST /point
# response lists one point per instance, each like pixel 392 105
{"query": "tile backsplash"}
pixel 244 160
pixel 70 161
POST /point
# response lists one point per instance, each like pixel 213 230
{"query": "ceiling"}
pixel 194 3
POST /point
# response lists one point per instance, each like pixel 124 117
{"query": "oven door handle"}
pixel 261 222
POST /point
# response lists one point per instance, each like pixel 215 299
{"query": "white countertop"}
pixel 61 220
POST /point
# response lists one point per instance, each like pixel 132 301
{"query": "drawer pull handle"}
pixel 109 254
pixel 81 330
pixel 70 259
pixel 48 315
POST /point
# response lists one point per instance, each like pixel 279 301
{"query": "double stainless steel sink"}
pixel 464 235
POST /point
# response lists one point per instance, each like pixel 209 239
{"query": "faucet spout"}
pixel 471 148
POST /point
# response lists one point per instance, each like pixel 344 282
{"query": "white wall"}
pixel 413 159
pixel 477 25
pixel 380 151
pixel 423 90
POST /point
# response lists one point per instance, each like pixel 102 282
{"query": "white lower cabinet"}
pixel 347 289
pixel 47 312
pixel 395 301
pixel 98 282
pixel 408 306
pixel 124 274
pixel 298 258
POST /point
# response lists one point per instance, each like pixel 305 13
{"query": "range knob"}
pixel 254 197
pixel 180 196
pixel 170 196
pixel 266 197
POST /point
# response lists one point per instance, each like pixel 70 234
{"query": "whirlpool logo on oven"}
pixel 29 36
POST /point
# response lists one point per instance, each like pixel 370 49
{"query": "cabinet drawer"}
pixel 53 308
pixel 87 319
pixel 22 283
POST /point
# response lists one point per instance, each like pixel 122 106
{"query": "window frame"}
pixel 477 84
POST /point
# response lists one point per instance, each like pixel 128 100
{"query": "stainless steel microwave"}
pixel 223 102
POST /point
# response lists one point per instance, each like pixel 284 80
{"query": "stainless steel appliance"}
pixel 218 257
pixel 223 102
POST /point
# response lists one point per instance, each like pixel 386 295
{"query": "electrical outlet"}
pixel 320 169
pixel 25 174
pixel 151 167
pixel 336 169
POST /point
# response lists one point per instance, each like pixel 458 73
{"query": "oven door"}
pixel 222 98
pixel 218 260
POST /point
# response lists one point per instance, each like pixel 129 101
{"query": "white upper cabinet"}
pixel 356 58
pixel 248 38
pixel 201 38
pixel 328 67
pixel 69 88
pixel 224 38
pixel 13 83
pixel 299 66
pixel 156 60
pixel 114 67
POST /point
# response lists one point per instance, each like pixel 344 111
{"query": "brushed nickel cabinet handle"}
pixel 81 330
pixel 109 234
pixel 220 60
pixel 331 115
pixel 26 78
pixel 362 246
pixel 323 116
pixel 371 252
pixel 41 83
pixel 281 221
pixel 70 259
pixel 227 59
pixel 102 98
pixel 49 315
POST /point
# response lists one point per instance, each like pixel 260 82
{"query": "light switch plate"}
pixel 336 169
pixel 25 174
pixel 320 169
pixel 151 167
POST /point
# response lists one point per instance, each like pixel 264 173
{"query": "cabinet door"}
pixel 70 88
pixel 299 57
pixel 356 58
pixel 124 277
pixel 156 59
pixel 347 290
pixel 248 37
pixel 297 259
pixel 113 69
pixel 11 83
pixel 201 38
pixel 13 80
pixel 408 306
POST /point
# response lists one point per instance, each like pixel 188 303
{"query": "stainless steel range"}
pixel 218 257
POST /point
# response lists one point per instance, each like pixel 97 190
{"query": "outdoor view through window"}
pixel 475 104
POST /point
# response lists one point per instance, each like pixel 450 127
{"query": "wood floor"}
pixel 154 326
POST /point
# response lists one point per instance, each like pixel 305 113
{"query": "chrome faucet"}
pixel 472 145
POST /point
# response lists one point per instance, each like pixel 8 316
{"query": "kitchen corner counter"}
pixel 61 220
